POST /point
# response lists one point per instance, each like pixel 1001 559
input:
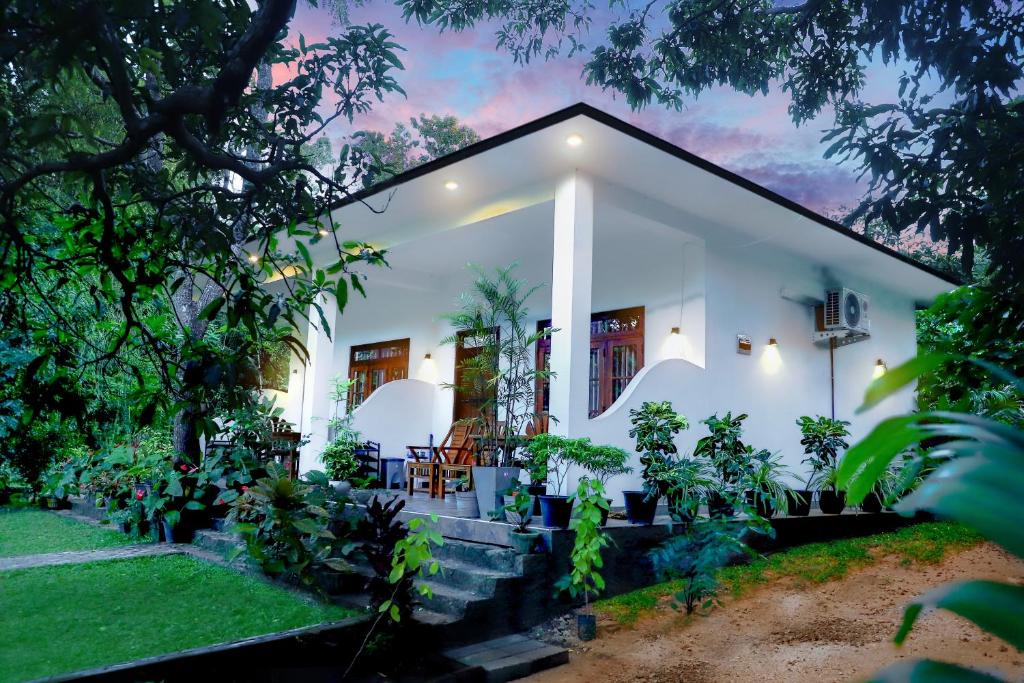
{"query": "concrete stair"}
pixel 508 657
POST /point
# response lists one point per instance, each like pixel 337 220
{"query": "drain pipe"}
pixel 832 372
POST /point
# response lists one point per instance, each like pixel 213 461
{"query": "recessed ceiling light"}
pixel 451 185
pixel 574 140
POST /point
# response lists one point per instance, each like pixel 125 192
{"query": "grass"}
pixel 811 564
pixel 71 617
pixel 33 532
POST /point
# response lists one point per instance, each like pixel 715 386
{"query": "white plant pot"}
pixel 490 484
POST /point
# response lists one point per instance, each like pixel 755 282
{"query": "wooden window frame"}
pixel 602 341
pixel 394 367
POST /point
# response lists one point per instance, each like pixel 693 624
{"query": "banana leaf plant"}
pixel 978 481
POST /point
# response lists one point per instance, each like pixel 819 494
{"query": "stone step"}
pixel 479 555
pixel 457 602
pixel 462 574
pixel 509 657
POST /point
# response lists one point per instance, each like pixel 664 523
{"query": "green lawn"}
pixel 32 532
pixel 60 619
pixel 812 563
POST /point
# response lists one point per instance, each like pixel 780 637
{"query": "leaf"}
pixel 900 376
pixel 305 254
pixel 930 671
pixel 865 462
pixel 995 607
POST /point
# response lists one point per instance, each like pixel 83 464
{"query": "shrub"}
pixel 654 426
pixel 584 579
pixel 822 440
pixel 339 458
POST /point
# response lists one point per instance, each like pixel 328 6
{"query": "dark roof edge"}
pixel 583 109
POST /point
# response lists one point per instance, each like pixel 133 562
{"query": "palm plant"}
pixel 493 316
pixel 978 481
pixel 764 481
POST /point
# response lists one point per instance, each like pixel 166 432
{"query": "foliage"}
pixel 977 323
pixel 556 453
pixel 520 510
pixel 10 478
pixel 145 169
pixel 398 555
pixel 654 426
pixel 694 557
pixel 811 563
pixel 397 152
pixel 944 155
pixel 339 459
pixel 285 525
pixel 584 578
pixel 822 440
pixel 724 449
pixel 978 484
pixel 502 375
pixel 764 478
pixel 602 461
pixel 200 604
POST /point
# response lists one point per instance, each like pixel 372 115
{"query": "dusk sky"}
pixel 465 75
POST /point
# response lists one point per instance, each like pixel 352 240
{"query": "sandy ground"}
pixel 836 631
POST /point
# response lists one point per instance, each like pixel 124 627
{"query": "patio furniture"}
pixel 368 456
pixel 456 453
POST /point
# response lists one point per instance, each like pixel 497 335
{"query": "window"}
pixel 373 365
pixel 616 355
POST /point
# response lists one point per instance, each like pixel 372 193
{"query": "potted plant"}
pixel 558 452
pixel 466 504
pixel 519 511
pixel 685 483
pixel 536 467
pixel 603 462
pixel 654 426
pixel 730 457
pixel 822 440
pixel 500 374
pixel 339 459
pixel 584 579
pixel 766 494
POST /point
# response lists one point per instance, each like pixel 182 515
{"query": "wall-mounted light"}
pixel 254 258
pixel 574 140
pixel 323 233
pixel 674 330
pixel 451 185
pixel 743 344
pixel 771 360
pixel 880 369
pixel 428 369
pixel 426 356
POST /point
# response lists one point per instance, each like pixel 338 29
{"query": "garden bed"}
pixel 67 618
pixel 36 532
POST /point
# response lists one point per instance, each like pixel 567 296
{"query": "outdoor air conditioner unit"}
pixel 845 310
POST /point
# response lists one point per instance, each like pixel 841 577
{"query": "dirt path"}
pixel 831 632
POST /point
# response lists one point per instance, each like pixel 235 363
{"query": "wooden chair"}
pixel 425 461
pixel 454 464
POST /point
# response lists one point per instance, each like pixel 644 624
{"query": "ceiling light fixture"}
pixel 451 186
pixel 574 140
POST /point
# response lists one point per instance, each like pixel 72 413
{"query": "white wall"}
pixel 688 274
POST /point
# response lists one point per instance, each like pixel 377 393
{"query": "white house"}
pixel 682 257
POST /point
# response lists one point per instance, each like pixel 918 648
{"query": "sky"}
pixel 463 74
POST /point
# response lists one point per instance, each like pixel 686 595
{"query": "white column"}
pixel 571 277
pixel 319 380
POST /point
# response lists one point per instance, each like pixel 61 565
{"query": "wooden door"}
pixel 471 391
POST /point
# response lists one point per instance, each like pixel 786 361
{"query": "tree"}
pixel 388 155
pixel 945 157
pixel 140 157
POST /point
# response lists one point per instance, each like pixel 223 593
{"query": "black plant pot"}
pixel 871 503
pixel 718 506
pixel 586 626
pixel 605 511
pixel 556 511
pixel 639 508
pixel 831 502
pixel 761 505
pixel 798 507
pixel 537 490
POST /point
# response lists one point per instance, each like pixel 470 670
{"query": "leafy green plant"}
pixel 557 453
pixel 502 375
pixel 977 483
pixel 683 482
pixel 520 509
pixel 584 578
pixel 725 450
pixel 603 462
pixel 692 560
pixel 764 479
pixel 285 525
pixel 339 457
pixel 655 426
pixel 822 440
